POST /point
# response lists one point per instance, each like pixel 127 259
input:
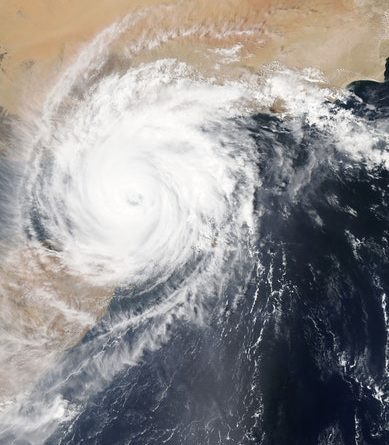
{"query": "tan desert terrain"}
pixel 346 39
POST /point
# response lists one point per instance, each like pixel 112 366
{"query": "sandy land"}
pixel 347 39
pixel 43 312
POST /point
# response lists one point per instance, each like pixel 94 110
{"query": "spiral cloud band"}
pixel 145 176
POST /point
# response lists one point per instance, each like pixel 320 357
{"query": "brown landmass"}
pixel 346 39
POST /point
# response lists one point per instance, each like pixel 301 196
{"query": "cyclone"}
pixel 140 184
pixel 193 238
pixel 144 177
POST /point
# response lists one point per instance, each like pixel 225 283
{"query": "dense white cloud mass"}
pixel 148 174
